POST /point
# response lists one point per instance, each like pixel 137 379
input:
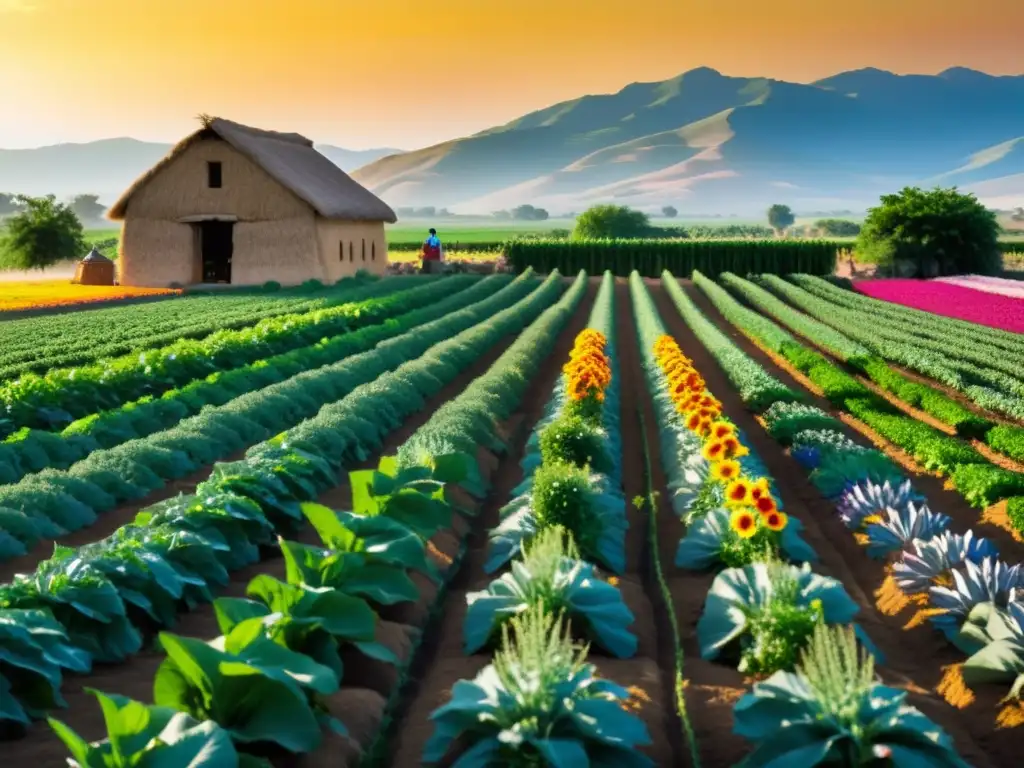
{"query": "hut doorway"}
pixel 216 245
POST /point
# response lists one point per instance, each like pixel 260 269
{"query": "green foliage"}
pixel 831 712
pixel 562 495
pixel 44 233
pixel 837 227
pixel 650 257
pixel 781 217
pixel 552 578
pixel 144 735
pixel 610 221
pixel 572 440
pixel 669 211
pixel 87 207
pixel 539 703
pixel 1008 439
pixel 785 420
pixel 1015 512
pixel 939 231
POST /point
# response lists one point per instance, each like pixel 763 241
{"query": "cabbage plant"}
pixel 927 563
pixel 34 652
pixel 998 637
pixel 552 577
pixel 539 703
pixel 893 530
pixel 764 614
pixel 867 498
pixel 145 736
pixel 831 712
pixel 989 581
pixel 254 688
pixel 311 620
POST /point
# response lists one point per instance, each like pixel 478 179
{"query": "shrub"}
pixel 571 440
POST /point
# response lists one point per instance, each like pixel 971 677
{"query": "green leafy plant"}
pixel 144 736
pixel 831 712
pixel 539 703
pixel 764 613
pixel 411 495
pixel 710 541
pixel 254 688
pixel 997 634
pixel 551 576
pixel 572 440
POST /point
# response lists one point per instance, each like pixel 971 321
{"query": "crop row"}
pixel 178 551
pixel 1006 439
pixel 61 395
pixel 983 372
pixel 767 612
pixel 568 514
pixel 31 450
pixel 981 483
pixel 53 501
pixel 650 257
pixel 75 338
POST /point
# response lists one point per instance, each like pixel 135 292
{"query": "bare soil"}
pixel 914 656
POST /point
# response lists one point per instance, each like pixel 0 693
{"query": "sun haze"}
pixel 408 74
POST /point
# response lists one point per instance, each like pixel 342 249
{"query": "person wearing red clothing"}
pixel 432 257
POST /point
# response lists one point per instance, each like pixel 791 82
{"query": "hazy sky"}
pixel 368 73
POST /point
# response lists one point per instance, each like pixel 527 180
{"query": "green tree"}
pixel 43 233
pixel 780 217
pixel 529 213
pixel 611 221
pixel 931 232
pixel 838 227
pixel 669 212
pixel 87 207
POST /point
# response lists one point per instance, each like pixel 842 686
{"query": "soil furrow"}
pixel 913 659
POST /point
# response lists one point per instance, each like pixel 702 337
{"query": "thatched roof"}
pixel 95 256
pixel 289 159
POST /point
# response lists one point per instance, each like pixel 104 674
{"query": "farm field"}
pixel 375 525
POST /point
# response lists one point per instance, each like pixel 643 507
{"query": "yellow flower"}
pixel 733 448
pixel 722 429
pixel 737 493
pixel 744 523
pixel 775 521
pixel 714 451
pixel 725 470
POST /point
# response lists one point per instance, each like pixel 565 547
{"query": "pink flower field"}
pixel 942 298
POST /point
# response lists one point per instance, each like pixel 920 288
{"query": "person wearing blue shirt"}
pixel 432 253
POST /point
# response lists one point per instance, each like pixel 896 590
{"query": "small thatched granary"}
pixel 94 269
pixel 233 204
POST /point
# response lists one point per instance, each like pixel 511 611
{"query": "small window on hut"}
pixel 373 250
pixel 213 175
pixel 341 251
pixel 364 249
pixel 351 257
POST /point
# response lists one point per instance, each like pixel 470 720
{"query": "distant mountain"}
pixel 107 167
pixel 705 142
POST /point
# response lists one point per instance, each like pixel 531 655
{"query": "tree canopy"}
pixel 669 212
pixel 931 232
pixel 611 221
pixel 838 227
pixel 88 207
pixel 42 234
pixel 8 204
pixel 780 217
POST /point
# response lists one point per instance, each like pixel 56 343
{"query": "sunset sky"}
pixel 407 74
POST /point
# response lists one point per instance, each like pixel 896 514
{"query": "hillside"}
pixel 109 166
pixel 706 142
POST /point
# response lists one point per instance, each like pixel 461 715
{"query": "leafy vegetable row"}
pixel 32 450
pixel 972 475
pixel 988 378
pixel 59 396
pixel 74 338
pixel 531 614
pixel 51 502
pixel 1002 437
pixel 821 702
pixel 178 551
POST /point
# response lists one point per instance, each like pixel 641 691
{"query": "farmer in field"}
pixel 432 256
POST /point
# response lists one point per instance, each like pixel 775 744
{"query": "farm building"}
pixel 234 204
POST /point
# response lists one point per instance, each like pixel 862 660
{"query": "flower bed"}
pixel 48 294
pixel 948 300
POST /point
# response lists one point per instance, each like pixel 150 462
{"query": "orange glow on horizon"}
pixel 409 74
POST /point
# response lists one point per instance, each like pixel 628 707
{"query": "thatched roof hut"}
pixel 230 203
pixel 94 269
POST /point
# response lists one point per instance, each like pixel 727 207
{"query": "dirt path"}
pixel 913 658
pixel 361 702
